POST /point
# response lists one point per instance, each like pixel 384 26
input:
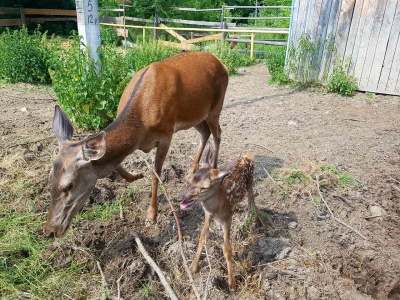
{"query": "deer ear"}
pixel 62 126
pixel 94 147
pixel 216 174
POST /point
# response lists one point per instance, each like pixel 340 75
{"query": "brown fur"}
pixel 220 191
pixel 178 93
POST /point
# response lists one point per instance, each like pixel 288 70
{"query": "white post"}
pixel 87 12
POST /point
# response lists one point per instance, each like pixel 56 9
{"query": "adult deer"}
pixel 219 191
pixel 184 91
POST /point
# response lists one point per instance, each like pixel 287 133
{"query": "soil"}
pixel 301 252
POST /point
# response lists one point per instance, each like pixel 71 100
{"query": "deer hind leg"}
pixel 128 176
pixel 205 133
pixel 161 154
pixel 195 264
pixel 213 123
pixel 228 253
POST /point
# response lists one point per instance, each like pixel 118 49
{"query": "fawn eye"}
pixel 67 188
pixel 202 189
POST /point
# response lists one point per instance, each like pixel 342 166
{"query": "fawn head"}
pixel 73 175
pixel 205 182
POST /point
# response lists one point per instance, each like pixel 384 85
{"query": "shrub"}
pixel 23 57
pixel 340 82
pixel 230 58
pixel 276 65
pixel 88 98
pixel 147 53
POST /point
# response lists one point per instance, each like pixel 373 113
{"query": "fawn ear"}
pixel 94 147
pixel 207 157
pixel 215 174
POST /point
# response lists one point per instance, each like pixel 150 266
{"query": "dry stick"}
pixel 209 265
pixel 103 280
pixel 118 287
pixel 269 176
pixel 189 274
pixel 333 216
pixel 396 187
pixel 151 262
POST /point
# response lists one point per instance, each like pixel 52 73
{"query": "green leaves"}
pixel 23 57
pixel 341 83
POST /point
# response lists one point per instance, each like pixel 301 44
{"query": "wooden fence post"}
pixel 87 13
pixel 23 20
pixel 252 46
pixel 155 24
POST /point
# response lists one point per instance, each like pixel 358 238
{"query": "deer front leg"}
pixel 228 254
pixel 195 264
pixel 128 176
pixel 161 153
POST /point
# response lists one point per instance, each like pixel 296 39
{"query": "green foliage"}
pixel 344 179
pixel 276 65
pixel 103 211
pixel 340 82
pixel 108 36
pixel 23 57
pixel 88 98
pixel 147 53
pixel 230 58
pixel 296 177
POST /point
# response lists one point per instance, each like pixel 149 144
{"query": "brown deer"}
pixel 184 91
pixel 219 191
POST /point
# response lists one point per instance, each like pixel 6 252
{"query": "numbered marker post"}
pixel 87 12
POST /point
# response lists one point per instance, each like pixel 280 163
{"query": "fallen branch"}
pixel 151 262
pixel 189 274
pixel 396 187
pixel 103 281
pixel 119 287
pixel 333 216
pixel 269 176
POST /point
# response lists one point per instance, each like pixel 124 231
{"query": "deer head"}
pixel 205 182
pixel 73 175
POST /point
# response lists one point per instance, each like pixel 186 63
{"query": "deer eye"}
pixel 66 188
pixel 202 189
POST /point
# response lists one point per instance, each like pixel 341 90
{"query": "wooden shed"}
pixel 361 35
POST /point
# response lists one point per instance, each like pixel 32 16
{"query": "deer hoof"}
pixel 232 287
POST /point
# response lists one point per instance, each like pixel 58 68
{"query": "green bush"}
pixel 88 98
pixel 230 58
pixel 340 82
pixel 23 57
pixel 146 53
pixel 276 65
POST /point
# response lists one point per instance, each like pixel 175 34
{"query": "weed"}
pixel 276 66
pixel 344 179
pixel 146 290
pixel 102 211
pixel 230 58
pixel 296 177
pixel 23 57
pixel 340 82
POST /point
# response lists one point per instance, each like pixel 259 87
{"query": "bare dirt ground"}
pixel 302 253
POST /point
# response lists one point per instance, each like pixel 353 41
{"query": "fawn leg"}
pixel 195 264
pixel 128 176
pixel 228 253
pixel 161 153
pixel 252 208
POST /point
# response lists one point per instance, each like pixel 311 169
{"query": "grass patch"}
pixel 103 211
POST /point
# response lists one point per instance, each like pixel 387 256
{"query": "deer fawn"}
pixel 219 191
pixel 184 91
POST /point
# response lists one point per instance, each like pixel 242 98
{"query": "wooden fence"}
pixel 365 35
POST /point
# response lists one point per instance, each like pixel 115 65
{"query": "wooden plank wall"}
pixel 366 35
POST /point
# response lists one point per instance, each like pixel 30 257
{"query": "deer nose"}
pixel 48 233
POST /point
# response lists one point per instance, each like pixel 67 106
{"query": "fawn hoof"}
pixel 135 177
pixel 151 219
pixel 232 286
